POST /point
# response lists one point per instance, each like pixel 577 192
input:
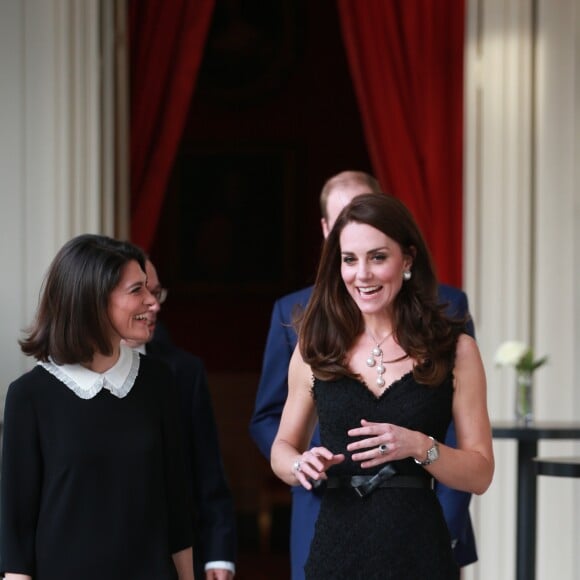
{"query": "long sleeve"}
pixel 214 522
pixel 273 385
pixel 21 482
pixel 180 532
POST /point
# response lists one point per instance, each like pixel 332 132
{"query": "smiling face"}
pixel 130 305
pixel 372 266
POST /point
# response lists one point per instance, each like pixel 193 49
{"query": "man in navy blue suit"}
pixel 214 526
pixel 337 192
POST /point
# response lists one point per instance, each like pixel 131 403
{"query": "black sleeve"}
pixel 21 481
pixel 179 507
pixel 214 518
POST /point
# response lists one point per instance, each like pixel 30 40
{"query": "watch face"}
pixel 433 453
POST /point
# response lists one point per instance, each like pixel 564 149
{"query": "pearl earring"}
pixel 407 275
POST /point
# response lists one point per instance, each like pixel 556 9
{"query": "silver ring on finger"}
pixel 383 448
pixel 297 466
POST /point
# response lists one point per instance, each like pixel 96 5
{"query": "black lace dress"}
pixel 393 533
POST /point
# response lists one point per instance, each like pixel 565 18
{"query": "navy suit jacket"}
pixel 270 399
pixel 213 509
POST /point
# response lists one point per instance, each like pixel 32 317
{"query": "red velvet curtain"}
pixel 406 62
pixel 166 46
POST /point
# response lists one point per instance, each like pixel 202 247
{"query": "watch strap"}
pixel 434 449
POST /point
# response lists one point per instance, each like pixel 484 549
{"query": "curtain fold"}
pixel 406 62
pixel 166 47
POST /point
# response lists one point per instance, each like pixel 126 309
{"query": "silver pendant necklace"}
pixel 377 355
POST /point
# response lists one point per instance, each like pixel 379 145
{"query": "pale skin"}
pixel 340 196
pixel 372 270
pixel 218 574
pixel 154 287
pixel 183 562
pixel 129 303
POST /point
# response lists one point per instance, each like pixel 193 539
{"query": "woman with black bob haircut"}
pixel 92 472
pixel 383 371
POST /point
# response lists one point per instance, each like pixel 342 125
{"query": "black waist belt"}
pixel 386 477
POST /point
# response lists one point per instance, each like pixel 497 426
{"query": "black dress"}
pixel 93 489
pixel 393 533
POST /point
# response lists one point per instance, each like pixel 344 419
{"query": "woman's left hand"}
pixel 383 442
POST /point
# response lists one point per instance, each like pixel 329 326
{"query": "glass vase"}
pixel 524 397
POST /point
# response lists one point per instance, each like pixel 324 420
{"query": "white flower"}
pixel 517 354
pixel 510 353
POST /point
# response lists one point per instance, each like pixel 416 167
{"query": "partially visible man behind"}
pixel 213 510
pixel 336 193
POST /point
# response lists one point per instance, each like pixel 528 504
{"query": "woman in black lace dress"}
pixel 384 372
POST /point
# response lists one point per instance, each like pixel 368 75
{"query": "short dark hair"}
pixel 332 321
pixel 343 179
pixel 72 322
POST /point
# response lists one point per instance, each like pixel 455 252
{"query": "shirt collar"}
pixel 141 348
pixel 86 384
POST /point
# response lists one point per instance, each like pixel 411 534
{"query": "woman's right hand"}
pixel 311 466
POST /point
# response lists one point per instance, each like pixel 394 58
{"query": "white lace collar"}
pixel 86 384
pixel 141 348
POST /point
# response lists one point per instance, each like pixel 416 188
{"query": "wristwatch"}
pixel 432 454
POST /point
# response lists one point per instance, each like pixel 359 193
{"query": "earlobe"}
pixel 407 268
pixel 410 257
pixel 325 228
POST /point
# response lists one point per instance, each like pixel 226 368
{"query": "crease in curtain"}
pixel 166 48
pixel 406 63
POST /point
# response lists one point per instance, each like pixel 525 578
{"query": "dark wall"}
pixel 273 116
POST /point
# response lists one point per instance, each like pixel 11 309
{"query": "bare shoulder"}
pixel 466 347
pixel 298 370
pixel 468 370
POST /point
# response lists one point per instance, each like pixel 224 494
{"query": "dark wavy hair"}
pixel 72 321
pixel 332 321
